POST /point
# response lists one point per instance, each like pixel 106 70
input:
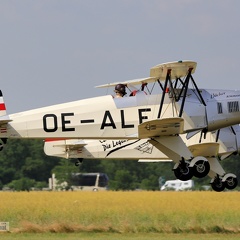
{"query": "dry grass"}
pixel 123 212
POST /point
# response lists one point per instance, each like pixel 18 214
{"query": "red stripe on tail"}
pixel 2 107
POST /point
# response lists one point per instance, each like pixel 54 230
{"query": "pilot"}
pixel 120 90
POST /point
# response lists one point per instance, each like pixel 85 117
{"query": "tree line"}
pixel 24 165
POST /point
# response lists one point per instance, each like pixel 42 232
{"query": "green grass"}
pixel 114 236
pixel 121 212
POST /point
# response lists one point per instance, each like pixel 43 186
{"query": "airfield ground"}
pixel 121 215
pixel 114 236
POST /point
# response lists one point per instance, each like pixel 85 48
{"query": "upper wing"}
pixel 130 82
pixel 178 69
pixel 161 127
pixel 159 72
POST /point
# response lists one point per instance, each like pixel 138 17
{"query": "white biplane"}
pixel 161 118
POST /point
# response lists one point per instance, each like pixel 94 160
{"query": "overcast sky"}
pixel 54 51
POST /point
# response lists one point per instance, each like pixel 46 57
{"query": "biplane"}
pixel 162 117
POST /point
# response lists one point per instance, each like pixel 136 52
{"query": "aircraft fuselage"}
pixel 109 118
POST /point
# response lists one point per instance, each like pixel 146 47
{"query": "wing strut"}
pixel 185 91
pixel 168 78
pixel 168 85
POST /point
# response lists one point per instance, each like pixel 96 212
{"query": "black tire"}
pixel 231 183
pixel 201 169
pixel 183 173
pixel 218 185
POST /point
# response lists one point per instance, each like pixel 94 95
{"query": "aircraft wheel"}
pixel 183 172
pixel 201 168
pixel 79 162
pixel 3 143
pixel 231 183
pixel 218 185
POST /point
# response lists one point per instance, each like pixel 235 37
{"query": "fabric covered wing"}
pixel 204 149
pixel 161 127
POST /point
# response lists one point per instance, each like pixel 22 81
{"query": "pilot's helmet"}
pixel 120 88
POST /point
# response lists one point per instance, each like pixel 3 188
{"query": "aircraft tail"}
pixel 4 118
pixel 2 105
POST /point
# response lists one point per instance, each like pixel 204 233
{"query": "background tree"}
pixel 24 159
pixel 23 164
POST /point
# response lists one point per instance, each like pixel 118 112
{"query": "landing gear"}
pixel 3 142
pixel 182 170
pixel 198 167
pixel 1 146
pixel 79 162
pixel 201 168
pixel 217 184
pixel 229 181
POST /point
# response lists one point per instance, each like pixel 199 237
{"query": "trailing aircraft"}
pixel 161 117
pixel 214 146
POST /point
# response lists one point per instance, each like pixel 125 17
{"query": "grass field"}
pixel 116 236
pixel 121 213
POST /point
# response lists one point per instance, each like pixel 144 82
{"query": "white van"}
pixel 89 182
pixel 177 185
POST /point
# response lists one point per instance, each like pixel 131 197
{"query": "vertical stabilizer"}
pixel 3 111
pixel 4 118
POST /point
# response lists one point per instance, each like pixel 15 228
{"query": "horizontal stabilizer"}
pixel 71 146
pixel 161 127
pixel 4 119
pixel 62 147
pixel 154 160
pixel 68 144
